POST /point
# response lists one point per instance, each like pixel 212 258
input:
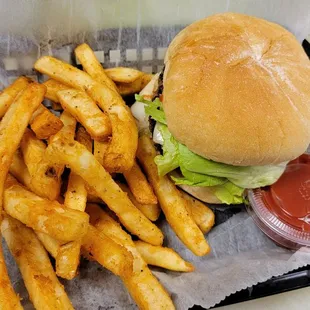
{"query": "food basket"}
pixel 136 34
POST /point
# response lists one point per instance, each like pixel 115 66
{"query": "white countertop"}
pixel 294 300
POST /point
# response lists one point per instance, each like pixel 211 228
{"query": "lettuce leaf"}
pixel 153 109
pixel 229 193
pixel 194 179
pixel 170 158
pixel 246 177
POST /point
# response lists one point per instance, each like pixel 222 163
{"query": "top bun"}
pixel 236 90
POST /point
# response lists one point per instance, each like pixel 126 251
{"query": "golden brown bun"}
pixel 236 90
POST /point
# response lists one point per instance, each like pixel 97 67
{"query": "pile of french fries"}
pixel 84 213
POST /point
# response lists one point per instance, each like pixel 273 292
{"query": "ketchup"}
pixel 289 198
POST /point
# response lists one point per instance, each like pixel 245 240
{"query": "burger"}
pixel 231 107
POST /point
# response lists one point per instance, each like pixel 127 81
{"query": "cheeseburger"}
pixel 231 107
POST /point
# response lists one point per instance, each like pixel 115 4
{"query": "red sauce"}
pixel 289 197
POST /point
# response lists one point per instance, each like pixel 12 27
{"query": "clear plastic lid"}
pixel 282 210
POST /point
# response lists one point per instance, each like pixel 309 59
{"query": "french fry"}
pixel 146 79
pixel 68 257
pixel 19 170
pixel 141 284
pixel 44 123
pixel 42 215
pixel 201 214
pixel 8 299
pixel 52 87
pixel 121 152
pixel 139 185
pixel 126 89
pixel 83 163
pixel 68 130
pixel 13 125
pixel 76 194
pixel 92 66
pixel 33 150
pixel 85 110
pixel 42 180
pixel 46 178
pixel 45 291
pixel 100 149
pixel 50 244
pixel 108 253
pixel 163 257
pixel 123 74
pixel 170 200
pixel 151 211
pixel 8 95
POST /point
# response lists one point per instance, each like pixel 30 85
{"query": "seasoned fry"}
pixel 19 170
pixel 100 148
pixel 52 87
pixel 51 245
pixel 8 299
pixel 170 200
pixel 46 178
pixel 83 163
pixel 108 253
pixel 76 194
pixel 139 185
pixel 142 285
pixel 121 152
pixel 8 95
pixel 68 130
pixel 92 66
pixel 123 74
pixel 151 211
pixel 13 125
pixel 163 257
pixel 45 291
pixel 43 215
pixel 201 214
pixel 68 257
pixel 33 151
pixel 126 89
pixel 44 123
pixel 146 79
pixel 85 110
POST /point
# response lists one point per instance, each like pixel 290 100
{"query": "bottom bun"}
pixel 204 194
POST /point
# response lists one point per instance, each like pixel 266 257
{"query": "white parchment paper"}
pixel 241 255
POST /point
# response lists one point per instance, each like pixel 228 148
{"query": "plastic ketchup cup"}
pixel 282 210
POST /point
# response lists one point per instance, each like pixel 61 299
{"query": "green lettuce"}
pixel 227 181
pixel 229 193
pixel 170 158
pixel 246 177
pixel 153 109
